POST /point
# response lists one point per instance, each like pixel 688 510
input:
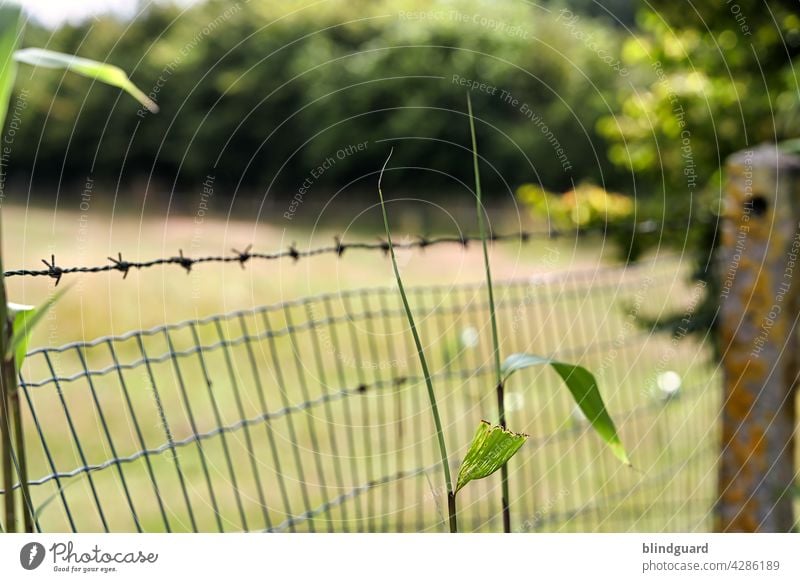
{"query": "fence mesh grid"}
pixel 311 415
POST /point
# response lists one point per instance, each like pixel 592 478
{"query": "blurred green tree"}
pixel 707 79
pixel 260 94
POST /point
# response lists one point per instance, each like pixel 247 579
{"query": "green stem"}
pixel 5 403
pixel 500 390
pixel 501 407
pixel 451 496
pixel 19 438
pixel 451 511
pixel 6 444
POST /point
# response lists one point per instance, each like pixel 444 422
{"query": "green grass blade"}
pixel 10 33
pixel 516 362
pixel 25 318
pixel 420 351
pixel 499 388
pixel 482 230
pixel 20 316
pixel 103 72
pixel 10 17
pixel 491 448
pixel 583 387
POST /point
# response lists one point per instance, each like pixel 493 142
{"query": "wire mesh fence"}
pixel 311 415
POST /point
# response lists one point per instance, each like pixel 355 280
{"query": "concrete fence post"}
pixel 760 287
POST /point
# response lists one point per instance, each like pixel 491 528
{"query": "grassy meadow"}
pixel 324 415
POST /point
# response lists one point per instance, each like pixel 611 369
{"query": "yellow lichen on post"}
pixel 757 328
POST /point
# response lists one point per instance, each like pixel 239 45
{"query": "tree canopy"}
pixel 267 97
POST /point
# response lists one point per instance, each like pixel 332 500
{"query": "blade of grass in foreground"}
pixel 451 495
pixel 499 388
pixel 10 33
pixel 9 37
pixel 23 319
pixel 583 387
pixel 109 74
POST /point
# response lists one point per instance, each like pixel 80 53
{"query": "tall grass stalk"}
pixel 501 407
pixel 451 495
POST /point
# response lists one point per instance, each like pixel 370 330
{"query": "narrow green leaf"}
pixel 501 407
pixel 10 32
pixel 18 314
pixel 9 37
pixel 109 74
pixel 437 421
pixel 583 387
pixel 25 318
pixel 516 362
pixel 491 448
pixel 482 229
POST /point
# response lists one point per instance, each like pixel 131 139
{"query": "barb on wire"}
pixel 123 266
pixel 244 255
pixel 186 262
pixel 293 252
pixel 339 246
pixel 52 270
pixel 55 271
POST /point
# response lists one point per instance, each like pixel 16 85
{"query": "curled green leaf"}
pixel 109 74
pixel 583 387
pixel 491 448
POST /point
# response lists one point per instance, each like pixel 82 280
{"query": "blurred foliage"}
pixel 586 207
pixel 708 79
pixel 260 94
pixel 589 208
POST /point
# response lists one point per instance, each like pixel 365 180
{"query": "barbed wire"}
pixel 56 272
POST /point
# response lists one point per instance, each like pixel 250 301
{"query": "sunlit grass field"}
pixel 326 425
